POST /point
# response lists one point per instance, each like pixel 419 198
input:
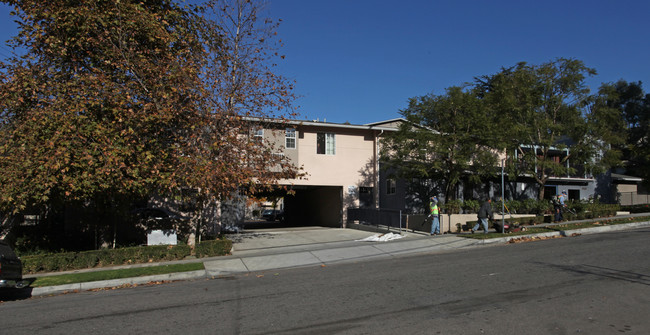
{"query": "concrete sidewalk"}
pixel 324 246
pixel 268 249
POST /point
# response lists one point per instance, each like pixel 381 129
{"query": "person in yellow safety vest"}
pixel 435 211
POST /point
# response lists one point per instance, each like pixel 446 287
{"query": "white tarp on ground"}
pixel 381 237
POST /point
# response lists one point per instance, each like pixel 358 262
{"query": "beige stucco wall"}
pixel 332 181
pixel 352 165
pixel 626 188
pixel 349 166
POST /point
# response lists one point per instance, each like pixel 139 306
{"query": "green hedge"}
pixel 213 248
pixel 541 207
pixel 527 206
pixel 108 257
pixel 643 208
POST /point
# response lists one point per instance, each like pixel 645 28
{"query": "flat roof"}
pixel 623 177
pixel 317 123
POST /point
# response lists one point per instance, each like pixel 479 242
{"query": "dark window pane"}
pixel 320 143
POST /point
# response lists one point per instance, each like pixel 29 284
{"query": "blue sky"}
pixel 360 61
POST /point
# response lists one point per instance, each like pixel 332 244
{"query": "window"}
pixel 390 186
pixel 290 138
pixel 258 134
pixel 325 144
pixel 365 197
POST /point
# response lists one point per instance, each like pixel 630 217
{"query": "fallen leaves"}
pixel 533 238
pixel 151 283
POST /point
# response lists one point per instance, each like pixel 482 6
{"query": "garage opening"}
pixel 304 206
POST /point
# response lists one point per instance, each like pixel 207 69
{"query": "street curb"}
pixel 566 233
pixel 47 290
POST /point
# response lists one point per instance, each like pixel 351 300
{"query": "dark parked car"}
pixel 11 268
pixel 273 214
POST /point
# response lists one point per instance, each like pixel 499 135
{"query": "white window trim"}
pixel 287 138
pixel 329 145
pixel 258 133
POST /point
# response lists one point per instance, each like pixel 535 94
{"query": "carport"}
pixel 314 206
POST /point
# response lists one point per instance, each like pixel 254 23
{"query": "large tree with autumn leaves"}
pixel 116 99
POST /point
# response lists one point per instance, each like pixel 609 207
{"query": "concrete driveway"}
pixel 251 240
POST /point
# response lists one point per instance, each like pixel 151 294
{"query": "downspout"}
pixel 375 174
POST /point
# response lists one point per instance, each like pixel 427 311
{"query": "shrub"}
pixel 529 206
pixel 576 206
pixel 514 206
pixel 471 206
pixel 452 206
pixel 643 208
pixel 544 207
pixel 105 257
pixel 83 260
pixel 601 210
pixel 214 248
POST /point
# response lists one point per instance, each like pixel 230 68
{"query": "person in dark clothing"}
pixel 484 213
pixel 558 206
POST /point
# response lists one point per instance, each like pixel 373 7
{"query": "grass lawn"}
pixel 83 277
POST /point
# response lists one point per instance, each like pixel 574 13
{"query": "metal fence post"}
pixel 400 222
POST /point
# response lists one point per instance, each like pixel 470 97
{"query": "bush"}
pixel 471 206
pixel 214 248
pixel 643 208
pixel 544 207
pixel 514 206
pixel 598 210
pixel 533 220
pixel 576 206
pixel 107 257
pixel 452 206
pixel 529 206
pixel 84 260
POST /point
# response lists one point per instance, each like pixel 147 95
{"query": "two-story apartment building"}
pixel 341 166
pixel 342 169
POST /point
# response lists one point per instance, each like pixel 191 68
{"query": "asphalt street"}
pixel 590 283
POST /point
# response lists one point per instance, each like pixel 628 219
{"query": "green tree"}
pixel 627 117
pixel 544 118
pixel 447 139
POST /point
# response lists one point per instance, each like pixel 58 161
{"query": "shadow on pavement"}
pixel 263 224
pixel 250 230
pixel 12 294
